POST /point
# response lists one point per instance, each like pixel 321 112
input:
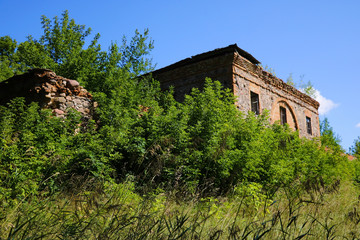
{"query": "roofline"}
pixel 207 55
pixel 235 49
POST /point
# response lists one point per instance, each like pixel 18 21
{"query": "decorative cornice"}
pixel 270 79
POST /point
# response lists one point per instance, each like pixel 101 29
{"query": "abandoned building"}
pixel 254 88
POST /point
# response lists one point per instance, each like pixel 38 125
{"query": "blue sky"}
pixel 318 40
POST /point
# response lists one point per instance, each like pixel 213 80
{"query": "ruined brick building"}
pixel 254 88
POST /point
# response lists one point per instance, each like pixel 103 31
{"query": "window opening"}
pixel 255 103
pixel 308 125
pixel 283 119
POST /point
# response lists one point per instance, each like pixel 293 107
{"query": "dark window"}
pixel 255 103
pixel 308 125
pixel 283 119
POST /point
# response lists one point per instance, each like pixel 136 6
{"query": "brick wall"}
pixel 188 76
pixel 243 76
pixel 273 94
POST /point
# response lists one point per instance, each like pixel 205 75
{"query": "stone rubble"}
pixel 50 91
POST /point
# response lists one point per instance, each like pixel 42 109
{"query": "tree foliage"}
pixel 62 49
pixel 203 143
pixel 355 149
pixel 305 87
pixel 328 137
pixel 39 151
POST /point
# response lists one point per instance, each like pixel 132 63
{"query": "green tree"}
pixel 62 49
pixel 355 149
pixel 309 89
pixel 31 138
pixel 59 49
pixel 305 87
pixel 39 152
pixel 290 80
pixel 7 61
pixel 328 137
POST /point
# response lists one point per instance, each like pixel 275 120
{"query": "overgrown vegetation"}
pixel 153 168
pixel 305 87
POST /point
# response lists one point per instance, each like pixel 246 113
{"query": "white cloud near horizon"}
pixel 326 105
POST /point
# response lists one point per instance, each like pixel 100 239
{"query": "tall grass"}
pixel 119 213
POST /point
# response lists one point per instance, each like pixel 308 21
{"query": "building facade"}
pixel 255 89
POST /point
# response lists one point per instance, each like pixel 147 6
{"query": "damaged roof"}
pixel 210 54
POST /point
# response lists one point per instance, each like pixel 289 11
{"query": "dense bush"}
pixel 39 151
pixel 204 145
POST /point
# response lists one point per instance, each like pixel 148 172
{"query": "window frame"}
pixel 308 125
pixel 283 117
pixel 255 105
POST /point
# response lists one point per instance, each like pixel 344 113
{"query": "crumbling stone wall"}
pixel 50 91
pixel 239 71
pixel 273 94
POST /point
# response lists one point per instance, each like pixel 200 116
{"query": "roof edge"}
pixel 207 55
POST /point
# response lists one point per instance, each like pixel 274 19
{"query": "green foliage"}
pixel 290 80
pixel 203 143
pixel 110 77
pixel 66 178
pixel 305 87
pixel 309 89
pixel 355 149
pixel 7 50
pixel 201 147
pixel 62 49
pixel 328 137
pixel 40 152
pixel 120 213
pixel 206 143
pixel 268 69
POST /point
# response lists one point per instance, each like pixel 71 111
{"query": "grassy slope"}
pixel 119 213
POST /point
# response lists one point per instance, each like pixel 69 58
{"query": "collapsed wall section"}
pixel 50 91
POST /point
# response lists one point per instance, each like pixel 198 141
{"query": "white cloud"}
pixel 358 125
pixel 326 105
